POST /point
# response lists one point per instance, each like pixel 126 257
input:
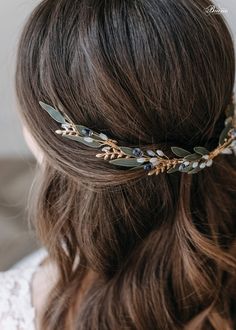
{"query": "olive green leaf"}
pixel 224 133
pixel 128 162
pixel 195 170
pixel 201 150
pixel 173 169
pixel 55 114
pixel 179 151
pixel 80 128
pixel 136 167
pixel 193 157
pixel 93 144
pixel 187 168
pixel 127 151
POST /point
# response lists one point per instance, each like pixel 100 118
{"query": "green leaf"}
pixel 179 151
pixel 80 128
pixel 135 168
pixel 201 150
pixel 128 162
pixel 173 169
pixel 127 151
pixel 192 157
pixel 94 144
pixel 195 170
pixel 187 168
pixel 55 114
pixel 224 133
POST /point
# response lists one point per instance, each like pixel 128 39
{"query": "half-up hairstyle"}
pixel 161 248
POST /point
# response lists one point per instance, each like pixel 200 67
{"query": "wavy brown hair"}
pixel 147 73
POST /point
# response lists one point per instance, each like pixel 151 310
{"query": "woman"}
pixel 128 250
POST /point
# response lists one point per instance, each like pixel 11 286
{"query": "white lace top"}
pixel 16 310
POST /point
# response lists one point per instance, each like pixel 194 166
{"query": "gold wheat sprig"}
pixel 154 162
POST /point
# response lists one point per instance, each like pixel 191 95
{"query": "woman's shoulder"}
pixel 17 310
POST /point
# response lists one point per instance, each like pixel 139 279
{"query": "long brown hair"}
pixel 147 73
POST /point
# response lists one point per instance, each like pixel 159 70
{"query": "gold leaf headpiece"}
pixel 152 161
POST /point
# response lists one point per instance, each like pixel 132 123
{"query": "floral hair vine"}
pixel 154 162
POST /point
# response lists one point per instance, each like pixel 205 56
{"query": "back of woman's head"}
pixel 146 73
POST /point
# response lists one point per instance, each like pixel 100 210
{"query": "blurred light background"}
pixel 17 165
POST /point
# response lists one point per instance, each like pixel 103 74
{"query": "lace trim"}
pixel 16 310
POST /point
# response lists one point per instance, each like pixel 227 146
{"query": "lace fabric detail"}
pixel 16 310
